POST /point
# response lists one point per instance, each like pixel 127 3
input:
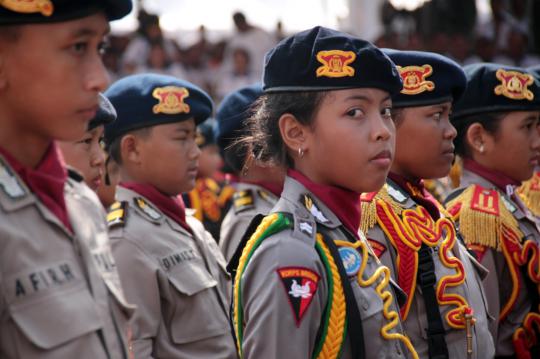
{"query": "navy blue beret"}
pixel 105 113
pixel 14 12
pixel 150 99
pixel 232 113
pixel 322 59
pixel 535 70
pixel 428 78
pixel 497 88
pixel 206 133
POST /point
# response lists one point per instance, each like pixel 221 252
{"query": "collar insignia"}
pixel 312 208
pixel 147 208
pixel 396 194
pixel 514 85
pixel 335 63
pixel 171 100
pixel 351 260
pixel 414 79
pixel 306 227
pixel 10 183
pixel 45 7
pixel 509 206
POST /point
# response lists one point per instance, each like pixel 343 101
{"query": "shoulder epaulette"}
pixel 529 192
pixel 483 214
pixel 243 200
pixel 225 195
pixel 117 214
pixel 74 175
pixel 368 204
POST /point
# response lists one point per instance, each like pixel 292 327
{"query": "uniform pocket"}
pixel 200 305
pixel 56 319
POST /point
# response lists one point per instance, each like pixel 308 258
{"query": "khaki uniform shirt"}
pixel 178 281
pixel 60 292
pixel 498 285
pixel 272 331
pixel 253 201
pixel 471 290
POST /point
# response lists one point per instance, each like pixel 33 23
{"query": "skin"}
pixel 514 150
pixel 50 77
pixel 86 156
pixel 174 145
pixel 106 192
pixel 431 153
pixel 350 143
pixel 210 161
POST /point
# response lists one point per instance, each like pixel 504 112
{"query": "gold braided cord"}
pixel 369 208
pixel 338 310
pixel 382 273
pixel 479 227
pixel 529 192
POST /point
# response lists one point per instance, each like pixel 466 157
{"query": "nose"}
pixel 195 152
pixel 383 129
pixel 98 156
pixel 96 77
pixel 450 131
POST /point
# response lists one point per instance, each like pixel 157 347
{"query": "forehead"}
pixel 369 95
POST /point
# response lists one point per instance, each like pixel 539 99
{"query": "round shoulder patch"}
pixel 351 260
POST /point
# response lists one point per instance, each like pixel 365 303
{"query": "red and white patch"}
pixel 300 285
pixel 378 248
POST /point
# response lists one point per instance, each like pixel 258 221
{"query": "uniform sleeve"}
pixel 232 232
pixel 279 323
pixel 138 276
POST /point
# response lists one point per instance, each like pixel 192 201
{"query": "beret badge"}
pixel 514 85
pixel 414 79
pixel 171 100
pixel 45 7
pixel 335 63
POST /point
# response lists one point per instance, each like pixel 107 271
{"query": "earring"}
pixel 300 152
pixel 481 148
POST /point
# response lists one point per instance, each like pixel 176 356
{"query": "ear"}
pixel 294 134
pixel 479 140
pixel 130 149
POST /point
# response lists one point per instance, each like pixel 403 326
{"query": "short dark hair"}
pixel 114 147
pixel 264 139
pixel 489 121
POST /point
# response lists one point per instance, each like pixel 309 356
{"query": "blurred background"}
pixel 220 44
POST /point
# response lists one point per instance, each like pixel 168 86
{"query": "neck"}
pixel 407 176
pixel 27 148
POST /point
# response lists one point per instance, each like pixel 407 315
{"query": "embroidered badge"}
pixel 147 208
pixel 312 208
pixel 117 214
pixel 335 63
pixel 414 79
pixel 243 200
pixel 351 260
pixel 306 227
pixel 378 248
pixel 485 200
pixel 300 285
pixel 171 100
pixel 514 85
pixel 10 183
pixel 45 7
pixel 396 194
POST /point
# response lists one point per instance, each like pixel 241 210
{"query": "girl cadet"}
pixel 497 124
pixel 257 187
pixel 86 155
pixel 60 293
pixel 307 285
pixel 445 313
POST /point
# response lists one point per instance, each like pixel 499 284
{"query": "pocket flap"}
pixel 191 278
pixel 56 319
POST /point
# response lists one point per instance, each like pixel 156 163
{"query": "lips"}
pixel 89 112
pixel 383 155
pixel 449 150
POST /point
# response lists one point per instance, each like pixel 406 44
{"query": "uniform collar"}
pixel 416 190
pixel 500 180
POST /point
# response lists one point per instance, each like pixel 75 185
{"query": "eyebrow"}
pixel 366 98
pixel 87 31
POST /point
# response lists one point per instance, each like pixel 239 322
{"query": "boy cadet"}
pixel 173 269
pixel 60 293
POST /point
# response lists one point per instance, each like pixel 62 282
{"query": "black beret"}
pixel 13 12
pixel 428 78
pixel 206 133
pixel 232 113
pixel 105 113
pixel 150 99
pixel 322 59
pixel 535 70
pixel 497 88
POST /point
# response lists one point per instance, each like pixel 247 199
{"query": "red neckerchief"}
pixel 343 203
pixel 418 193
pixel 497 178
pixel 46 181
pixel 173 207
pixel 271 187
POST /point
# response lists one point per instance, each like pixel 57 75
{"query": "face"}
pixel 86 156
pixel 351 142
pixel 106 192
pixel 210 161
pixel 515 149
pixel 51 75
pixel 169 157
pixel 424 138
